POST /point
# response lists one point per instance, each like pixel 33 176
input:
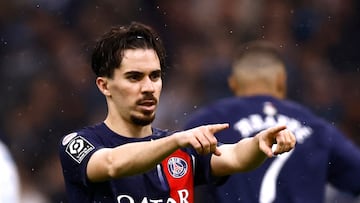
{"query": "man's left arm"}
pixel 249 153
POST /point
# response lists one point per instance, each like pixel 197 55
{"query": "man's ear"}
pixel 232 83
pixel 281 84
pixel 103 85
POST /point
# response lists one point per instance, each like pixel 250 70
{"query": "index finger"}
pixel 214 128
pixel 276 129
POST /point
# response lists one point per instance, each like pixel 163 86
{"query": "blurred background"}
pixel 48 89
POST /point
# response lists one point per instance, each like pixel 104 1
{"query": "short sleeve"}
pixel 75 150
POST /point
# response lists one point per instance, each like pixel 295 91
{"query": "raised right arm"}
pixel 134 158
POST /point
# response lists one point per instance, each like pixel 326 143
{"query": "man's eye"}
pixel 155 76
pixel 134 77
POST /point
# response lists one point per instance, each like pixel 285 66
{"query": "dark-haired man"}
pixel 124 158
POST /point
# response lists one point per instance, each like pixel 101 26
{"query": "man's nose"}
pixel 148 85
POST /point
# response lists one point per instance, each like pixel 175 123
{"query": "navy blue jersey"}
pixel 172 180
pixel 322 153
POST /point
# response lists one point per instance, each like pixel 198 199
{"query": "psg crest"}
pixel 177 167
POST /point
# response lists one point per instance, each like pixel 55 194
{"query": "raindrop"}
pixel 231 31
pixel 37 5
pixel 195 107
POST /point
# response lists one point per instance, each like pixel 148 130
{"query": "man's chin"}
pixel 144 121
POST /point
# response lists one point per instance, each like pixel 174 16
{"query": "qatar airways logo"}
pixel 183 198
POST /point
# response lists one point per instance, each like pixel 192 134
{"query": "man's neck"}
pixel 128 129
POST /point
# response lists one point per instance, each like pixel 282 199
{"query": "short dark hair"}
pixel 260 48
pixel 109 49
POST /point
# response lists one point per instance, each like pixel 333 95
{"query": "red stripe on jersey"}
pixel 178 170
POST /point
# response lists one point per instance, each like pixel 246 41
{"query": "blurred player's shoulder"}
pixel 9 178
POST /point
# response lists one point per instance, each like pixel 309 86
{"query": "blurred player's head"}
pixel 258 68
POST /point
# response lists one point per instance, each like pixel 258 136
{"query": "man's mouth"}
pixel 147 104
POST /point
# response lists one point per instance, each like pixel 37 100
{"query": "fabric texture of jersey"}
pixel 320 156
pixel 172 180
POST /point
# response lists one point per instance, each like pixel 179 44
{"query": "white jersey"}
pixel 9 178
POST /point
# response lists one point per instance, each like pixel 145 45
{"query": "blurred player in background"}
pixel 323 154
pixel 125 159
pixel 9 177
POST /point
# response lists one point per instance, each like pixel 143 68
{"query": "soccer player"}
pixel 124 158
pixel 323 154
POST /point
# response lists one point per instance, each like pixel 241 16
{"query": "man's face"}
pixel 136 86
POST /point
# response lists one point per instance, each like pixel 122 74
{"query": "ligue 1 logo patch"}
pixel 177 167
pixel 78 148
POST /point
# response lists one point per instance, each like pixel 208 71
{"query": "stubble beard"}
pixel 144 121
pixel 147 117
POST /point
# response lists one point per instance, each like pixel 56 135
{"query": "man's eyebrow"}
pixel 132 72
pixel 157 71
pixel 139 72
